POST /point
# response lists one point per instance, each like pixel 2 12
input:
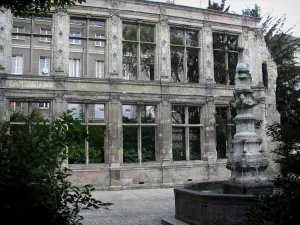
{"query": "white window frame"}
pixel 15 106
pixel 99 73
pixel 19 37
pixel 43 105
pixel 77 67
pixel 19 68
pixel 46 65
pixel 99 43
pixel 48 32
pixel 74 41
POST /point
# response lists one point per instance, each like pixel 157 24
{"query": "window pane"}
pixel 177 36
pixel 192 38
pixel 194 115
pixel 148 114
pixel 219 67
pixel 147 33
pixel 232 61
pixel 221 130
pixel 178 143
pixel 42 108
pixel 194 143
pixel 147 61
pixel 44 66
pixel 130 144
pixel 177 72
pixel 148 144
pixel 130 32
pixel 17 111
pixel 129 113
pixel 77 110
pixel 76 153
pixel 96 113
pixel 218 41
pixel 232 42
pixel 99 67
pixel 96 144
pixel 178 115
pixel 192 65
pixel 129 60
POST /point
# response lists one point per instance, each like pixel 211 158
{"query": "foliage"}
pixel 34 185
pixel 282 47
pixel 281 207
pixel 255 12
pixel 217 6
pixel 25 8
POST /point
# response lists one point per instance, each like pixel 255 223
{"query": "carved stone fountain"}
pixel 224 202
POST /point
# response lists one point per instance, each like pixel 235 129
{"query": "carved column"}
pixel 60 43
pixel 114 41
pixel 163 48
pixel 6 21
pixel 207 46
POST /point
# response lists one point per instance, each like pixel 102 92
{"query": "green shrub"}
pixel 34 186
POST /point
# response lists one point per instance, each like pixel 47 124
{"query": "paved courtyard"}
pixel 132 207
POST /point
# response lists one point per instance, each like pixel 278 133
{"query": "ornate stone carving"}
pixel 208 63
pixel 207 47
pixel 209 84
pixel 164 23
pixel 114 99
pixel 59 82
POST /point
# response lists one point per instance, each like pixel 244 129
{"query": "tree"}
pixel 34 185
pixel 217 6
pixel 255 12
pixel 24 8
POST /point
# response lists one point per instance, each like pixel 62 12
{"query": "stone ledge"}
pixel 171 221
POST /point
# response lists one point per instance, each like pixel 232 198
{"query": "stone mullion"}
pixel 60 43
pixel 187 134
pixel 229 137
pixel 87 49
pixel 185 58
pixel 138 53
pixel 200 63
pixel 86 143
pixel 31 45
pixel 139 135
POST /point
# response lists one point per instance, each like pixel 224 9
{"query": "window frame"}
pixel 22 72
pixel 79 68
pixel 139 124
pixel 101 62
pixel 40 69
pixel 46 38
pixel 185 50
pixel 138 43
pixel 99 43
pixel 186 125
pixel 73 40
pixel 18 37
pixel 226 51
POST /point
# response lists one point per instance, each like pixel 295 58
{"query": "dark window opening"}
pixel 265 74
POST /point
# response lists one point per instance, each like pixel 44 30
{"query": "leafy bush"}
pixel 34 186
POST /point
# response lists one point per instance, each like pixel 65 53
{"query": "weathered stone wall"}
pixel 113 91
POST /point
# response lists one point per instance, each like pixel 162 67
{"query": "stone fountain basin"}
pixel 202 203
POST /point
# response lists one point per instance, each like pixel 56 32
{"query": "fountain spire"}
pixel 246 160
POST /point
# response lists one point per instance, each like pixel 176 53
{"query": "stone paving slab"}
pixel 132 207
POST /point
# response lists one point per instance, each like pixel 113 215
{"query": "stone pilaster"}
pixel 6 21
pixel 163 48
pixel 60 43
pixel 59 105
pixel 165 131
pixel 115 135
pixel 207 46
pixel 114 42
pixel 4 107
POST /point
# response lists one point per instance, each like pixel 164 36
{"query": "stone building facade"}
pixel 154 79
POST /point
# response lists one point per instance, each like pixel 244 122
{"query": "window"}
pixel 265 74
pixel 44 66
pixel 139 131
pixel 185 51
pixel 17 64
pixel 93 118
pixel 138 51
pixel 74 68
pixel 186 130
pixel 99 43
pixel 225 57
pixel 74 41
pixel 43 105
pixel 18 29
pixel 45 31
pixel 99 69
pixel 16 106
pixel 225 130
